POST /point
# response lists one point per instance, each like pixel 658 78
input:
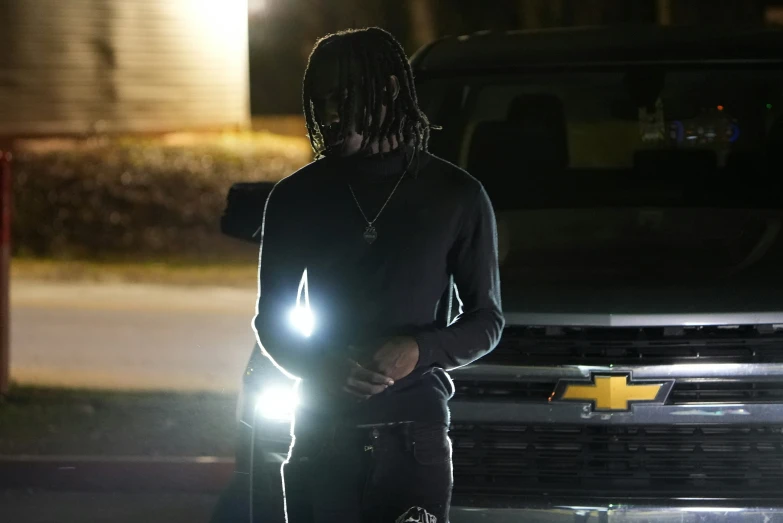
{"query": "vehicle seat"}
pixel 521 152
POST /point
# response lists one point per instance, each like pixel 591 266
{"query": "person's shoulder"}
pixel 449 175
pixel 293 185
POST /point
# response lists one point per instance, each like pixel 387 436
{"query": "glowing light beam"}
pixel 301 317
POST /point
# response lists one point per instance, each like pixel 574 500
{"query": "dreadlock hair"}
pixel 367 58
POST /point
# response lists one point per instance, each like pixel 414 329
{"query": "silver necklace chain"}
pixel 370 233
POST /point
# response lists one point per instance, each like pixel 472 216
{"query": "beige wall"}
pixel 75 66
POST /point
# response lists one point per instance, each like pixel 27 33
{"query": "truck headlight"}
pixel 278 402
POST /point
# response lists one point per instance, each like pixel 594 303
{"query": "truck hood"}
pixel 635 266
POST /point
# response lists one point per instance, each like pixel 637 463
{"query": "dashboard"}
pixel 713 127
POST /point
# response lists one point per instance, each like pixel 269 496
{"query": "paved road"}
pixel 130 336
pixel 40 506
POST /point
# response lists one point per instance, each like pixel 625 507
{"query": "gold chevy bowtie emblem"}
pixel 614 392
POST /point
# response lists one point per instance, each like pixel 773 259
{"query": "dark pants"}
pixel 368 475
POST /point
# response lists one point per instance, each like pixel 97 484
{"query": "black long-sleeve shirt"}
pixel 438 225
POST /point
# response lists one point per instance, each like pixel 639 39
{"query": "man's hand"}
pixel 396 357
pixel 346 375
pixel 364 383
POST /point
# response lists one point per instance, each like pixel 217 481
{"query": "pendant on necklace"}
pixel 370 234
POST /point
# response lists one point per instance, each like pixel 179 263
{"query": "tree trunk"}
pixel 555 13
pixel 422 20
pixel 530 14
pixel 664 9
pixel 588 12
pixel 536 14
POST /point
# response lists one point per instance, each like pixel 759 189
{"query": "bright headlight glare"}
pixel 302 320
pixel 278 402
pixel 301 317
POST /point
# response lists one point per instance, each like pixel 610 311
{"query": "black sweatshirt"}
pixel 438 224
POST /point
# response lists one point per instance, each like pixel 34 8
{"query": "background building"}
pixel 119 66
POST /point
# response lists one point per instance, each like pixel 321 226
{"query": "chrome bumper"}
pixel 697 512
pixel 528 511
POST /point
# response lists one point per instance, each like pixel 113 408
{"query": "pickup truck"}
pixel 640 375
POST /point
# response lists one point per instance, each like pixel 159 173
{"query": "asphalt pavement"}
pixel 41 506
pixel 122 336
pixel 59 489
pixel 130 336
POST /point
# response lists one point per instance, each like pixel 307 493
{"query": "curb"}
pixel 107 473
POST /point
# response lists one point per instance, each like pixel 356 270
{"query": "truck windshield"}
pixel 636 136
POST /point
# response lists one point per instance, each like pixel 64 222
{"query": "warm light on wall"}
pixel 256 7
pixel 223 24
pixel 149 66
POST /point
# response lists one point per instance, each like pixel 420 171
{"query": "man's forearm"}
pixel 472 336
pixel 474 265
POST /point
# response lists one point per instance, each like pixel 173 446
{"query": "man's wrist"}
pixel 412 342
pixel 425 341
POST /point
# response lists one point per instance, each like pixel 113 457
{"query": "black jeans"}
pixel 368 475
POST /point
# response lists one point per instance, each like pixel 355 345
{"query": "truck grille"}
pixel 637 346
pixel 702 392
pixel 605 461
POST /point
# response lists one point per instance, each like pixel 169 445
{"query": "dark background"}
pixel 282 32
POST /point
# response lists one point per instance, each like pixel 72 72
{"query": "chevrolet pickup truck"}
pixel 640 375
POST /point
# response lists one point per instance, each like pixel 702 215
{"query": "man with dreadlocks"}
pixel 373 233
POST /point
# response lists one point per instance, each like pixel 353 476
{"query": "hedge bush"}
pixel 132 199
